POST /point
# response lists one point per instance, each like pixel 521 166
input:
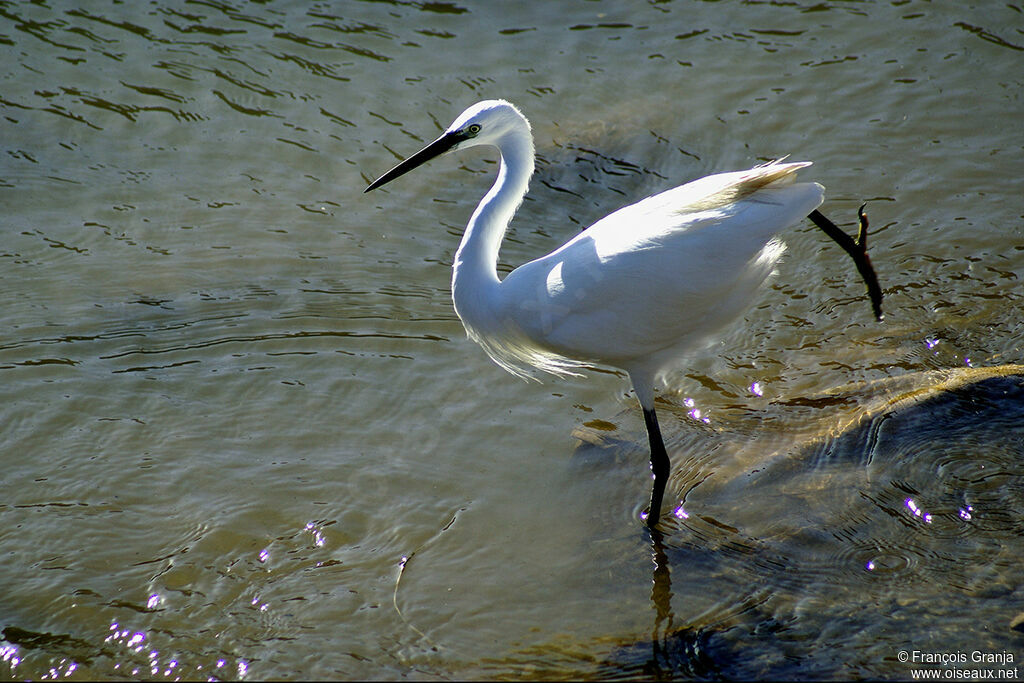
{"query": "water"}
pixel 244 434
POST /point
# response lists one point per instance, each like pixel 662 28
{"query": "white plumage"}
pixel 634 291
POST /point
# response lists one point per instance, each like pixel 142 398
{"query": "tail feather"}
pixel 736 186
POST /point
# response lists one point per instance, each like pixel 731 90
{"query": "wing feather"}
pixel 658 275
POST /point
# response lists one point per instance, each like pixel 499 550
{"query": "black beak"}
pixel 435 148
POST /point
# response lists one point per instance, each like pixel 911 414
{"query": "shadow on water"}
pixel 897 530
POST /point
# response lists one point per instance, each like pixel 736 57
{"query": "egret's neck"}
pixel 475 273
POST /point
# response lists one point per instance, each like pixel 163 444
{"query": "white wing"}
pixel 641 282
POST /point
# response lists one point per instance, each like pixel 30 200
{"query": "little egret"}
pixel 635 290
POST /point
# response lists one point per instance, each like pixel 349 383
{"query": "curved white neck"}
pixel 475 274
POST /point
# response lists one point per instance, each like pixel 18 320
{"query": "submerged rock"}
pixel 890 520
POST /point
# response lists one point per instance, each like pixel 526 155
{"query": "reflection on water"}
pixel 136 660
pixel 244 435
pixel 844 562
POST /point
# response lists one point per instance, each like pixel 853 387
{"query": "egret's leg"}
pixel 858 251
pixel 661 466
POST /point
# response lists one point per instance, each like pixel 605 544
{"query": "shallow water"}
pixel 244 434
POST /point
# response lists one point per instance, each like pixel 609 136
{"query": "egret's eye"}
pixel 473 129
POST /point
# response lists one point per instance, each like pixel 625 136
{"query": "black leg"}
pixel 659 667
pixel 661 466
pixel 858 251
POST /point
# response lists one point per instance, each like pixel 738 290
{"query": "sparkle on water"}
pixel 197 294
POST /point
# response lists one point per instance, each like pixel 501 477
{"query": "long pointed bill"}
pixel 435 148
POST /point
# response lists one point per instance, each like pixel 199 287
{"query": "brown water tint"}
pixel 243 434
pixel 904 517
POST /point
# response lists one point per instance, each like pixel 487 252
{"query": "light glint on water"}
pixel 171 666
pixel 9 654
pixel 210 301
pixel 917 511
pixel 318 537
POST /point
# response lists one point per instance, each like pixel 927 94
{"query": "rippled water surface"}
pixel 244 434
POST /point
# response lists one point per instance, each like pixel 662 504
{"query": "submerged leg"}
pixel 661 466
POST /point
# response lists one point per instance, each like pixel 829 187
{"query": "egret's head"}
pixel 484 123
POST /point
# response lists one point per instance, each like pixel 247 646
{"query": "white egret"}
pixel 634 291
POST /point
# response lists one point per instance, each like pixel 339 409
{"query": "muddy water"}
pixel 244 434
